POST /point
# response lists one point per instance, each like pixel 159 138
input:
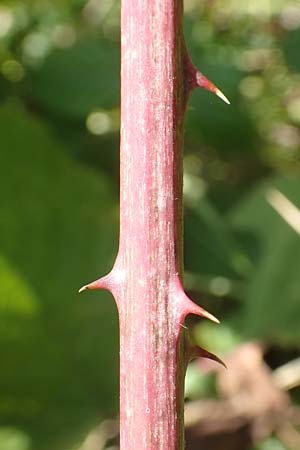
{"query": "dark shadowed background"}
pixel 59 150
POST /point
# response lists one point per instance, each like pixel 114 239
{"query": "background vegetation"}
pixel 59 134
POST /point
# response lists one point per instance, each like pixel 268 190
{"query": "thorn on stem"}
pixel 198 352
pixel 196 309
pixel 187 306
pixel 205 83
pixel 196 79
pixel 101 283
pixel 83 288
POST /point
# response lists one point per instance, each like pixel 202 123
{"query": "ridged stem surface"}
pixel 150 254
pixel 156 79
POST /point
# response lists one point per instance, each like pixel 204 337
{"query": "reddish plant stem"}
pixel 157 77
pixel 150 253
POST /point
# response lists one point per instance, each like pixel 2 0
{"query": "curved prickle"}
pixel 198 352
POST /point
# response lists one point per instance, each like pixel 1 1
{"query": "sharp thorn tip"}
pixel 222 96
pixel 200 352
pixel 83 288
pixel 210 316
pixel 193 308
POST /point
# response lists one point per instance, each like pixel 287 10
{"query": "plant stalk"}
pixel 150 255
pixel 157 77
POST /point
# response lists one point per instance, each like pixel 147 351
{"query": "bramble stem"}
pixel 157 77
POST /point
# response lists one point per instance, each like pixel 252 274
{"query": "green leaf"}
pixel 74 81
pixel 211 247
pixel 270 444
pixel 272 300
pixel 13 439
pixel 290 46
pixel 228 128
pixel 57 232
pixel 17 297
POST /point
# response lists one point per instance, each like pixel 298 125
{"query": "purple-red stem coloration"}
pixel 157 77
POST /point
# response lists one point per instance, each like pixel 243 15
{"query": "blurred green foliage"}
pixel 52 240
pixel 59 128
